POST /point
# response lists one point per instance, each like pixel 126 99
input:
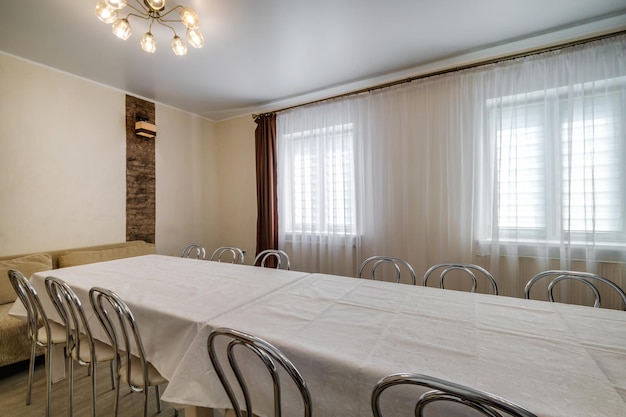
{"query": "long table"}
pixel 344 334
pixel 171 298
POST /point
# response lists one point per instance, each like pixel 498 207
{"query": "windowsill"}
pixel 322 238
pixel 607 252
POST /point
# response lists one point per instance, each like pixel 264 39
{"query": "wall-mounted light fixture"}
pixel 144 128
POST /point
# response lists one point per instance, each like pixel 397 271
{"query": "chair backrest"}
pixel 71 311
pixel 398 265
pixel 194 250
pixel 468 269
pixel 233 346
pixel 35 314
pixel 122 330
pixel 282 259
pixel 588 279
pixel 235 254
pixel 486 403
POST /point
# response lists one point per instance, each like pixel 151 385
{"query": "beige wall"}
pixel 63 166
pixel 186 195
pixel 62 176
pixel 236 176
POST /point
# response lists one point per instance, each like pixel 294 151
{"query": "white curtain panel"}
pixel 519 159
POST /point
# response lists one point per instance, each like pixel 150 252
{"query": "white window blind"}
pixel 593 172
pixel 319 175
pixel 560 165
pixel 521 168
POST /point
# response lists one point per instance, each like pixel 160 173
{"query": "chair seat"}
pixel 104 352
pixel 57 334
pixel 136 376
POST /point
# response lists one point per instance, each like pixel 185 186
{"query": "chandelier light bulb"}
pixel 106 13
pixel 195 38
pixel 156 5
pixel 190 18
pixel 178 46
pixel 121 29
pixel 116 4
pixel 148 43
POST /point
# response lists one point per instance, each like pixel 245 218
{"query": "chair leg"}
pixel 48 360
pixel 31 370
pixel 146 392
pixel 70 382
pixel 117 397
pixel 157 392
pixel 92 367
pixel 112 375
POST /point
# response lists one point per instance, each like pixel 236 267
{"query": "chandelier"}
pixel 110 11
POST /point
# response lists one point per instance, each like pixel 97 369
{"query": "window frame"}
pixel 324 226
pixel 609 243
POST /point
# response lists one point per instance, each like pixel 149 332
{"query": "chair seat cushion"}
pixel 103 351
pixel 136 374
pixel 57 332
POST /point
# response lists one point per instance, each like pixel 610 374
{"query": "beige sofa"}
pixel 14 342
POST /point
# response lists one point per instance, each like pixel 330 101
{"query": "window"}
pixel 561 165
pixel 318 173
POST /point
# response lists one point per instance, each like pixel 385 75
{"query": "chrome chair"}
pixel 81 345
pixel 486 403
pixel 267 354
pixel 123 333
pixel 41 332
pixel 588 279
pixel 235 254
pixel 398 264
pixel 281 258
pixel 200 252
pixel 468 269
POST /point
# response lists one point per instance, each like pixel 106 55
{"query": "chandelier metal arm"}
pixel 166 25
pixel 139 16
pixel 154 16
pixel 170 11
pixel 142 8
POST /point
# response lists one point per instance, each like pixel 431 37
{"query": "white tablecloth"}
pixel 171 298
pixel 344 334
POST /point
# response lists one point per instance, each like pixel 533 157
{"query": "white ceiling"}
pixel 263 55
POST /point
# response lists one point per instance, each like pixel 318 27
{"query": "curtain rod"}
pixel 455 69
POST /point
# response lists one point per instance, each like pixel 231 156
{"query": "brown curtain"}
pixel 266 179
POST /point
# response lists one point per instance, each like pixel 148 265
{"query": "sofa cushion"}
pixel 27 265
pixel 14 341
pixel 75 258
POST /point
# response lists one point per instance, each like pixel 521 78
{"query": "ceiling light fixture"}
pixel 109 11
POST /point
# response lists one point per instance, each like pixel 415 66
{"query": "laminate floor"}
pixel 14 381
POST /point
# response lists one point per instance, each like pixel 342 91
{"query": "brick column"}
pixel 140 174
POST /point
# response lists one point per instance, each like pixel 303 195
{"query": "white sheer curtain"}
pixel 316 187
pixel 412 173
pixel 440 169
pixel 552 170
